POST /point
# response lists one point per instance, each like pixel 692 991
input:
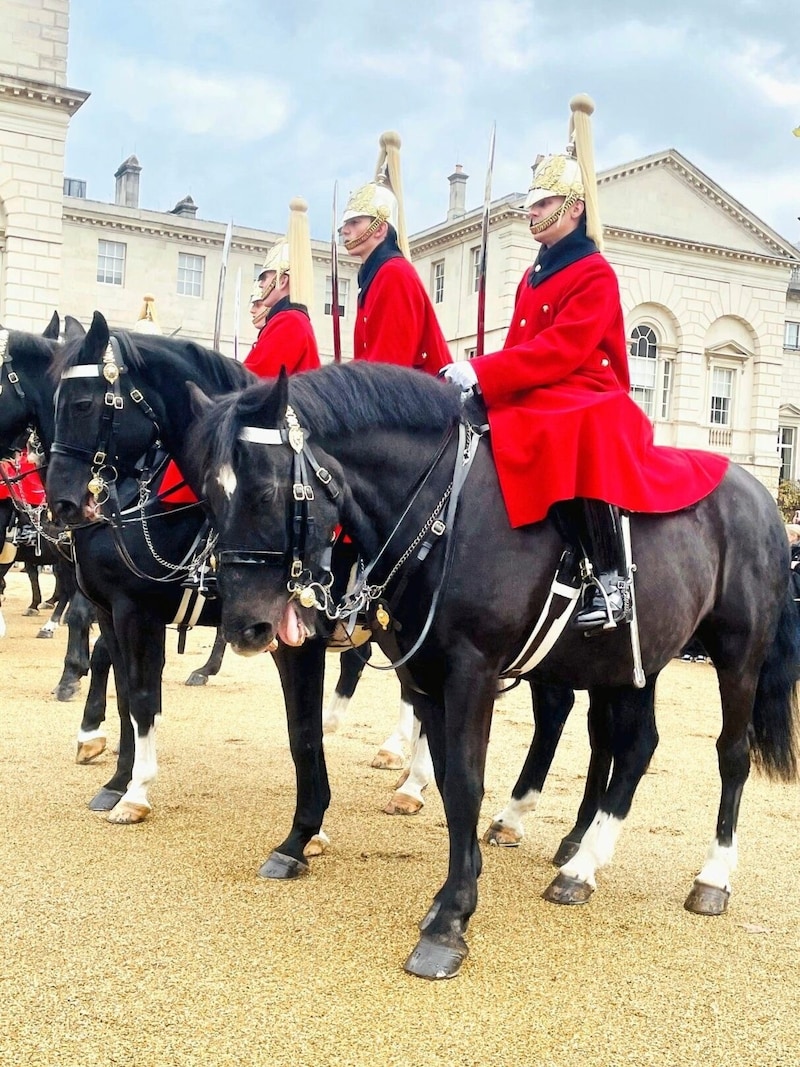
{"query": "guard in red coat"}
pixel 564 428
pixel 395 320
pixel 281 299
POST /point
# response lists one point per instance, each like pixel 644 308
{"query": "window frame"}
pixel 103 274
pixel 785 447
pixel 185 270
pixel 344 296
pixel 437 281
pixel 791 327
pixel 654 399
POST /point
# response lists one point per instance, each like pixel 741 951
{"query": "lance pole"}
pixel 487 203
pixel 237 310
pixel 337 335
pixel 223 269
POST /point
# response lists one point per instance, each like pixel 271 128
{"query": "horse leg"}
pixel 79 617
pixel 91 733
pixel 32 570
pixel 212 665
pixel 407 798
pixel 597 776
pixel 391 754
pixel 458 740
pixel 109 795
pixel 633 742
pixel 551 707
pixel 351 666
pixel 302 671
pixel 65 589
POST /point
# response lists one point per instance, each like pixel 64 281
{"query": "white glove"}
pixel 461 374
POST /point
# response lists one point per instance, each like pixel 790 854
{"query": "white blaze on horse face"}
pixel 226 479
pixel 596 849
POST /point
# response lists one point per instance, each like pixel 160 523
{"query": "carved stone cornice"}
pixel 55 96
pixel 460 231
pixel 684 245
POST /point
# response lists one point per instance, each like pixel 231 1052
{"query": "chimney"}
pixel 186 208
pixel 458 193
pixel 127 191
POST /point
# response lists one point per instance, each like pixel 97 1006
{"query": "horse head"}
pixel 102 429
pixel 274 529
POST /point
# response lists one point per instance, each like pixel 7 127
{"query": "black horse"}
pixel 155 401
pixel 365 440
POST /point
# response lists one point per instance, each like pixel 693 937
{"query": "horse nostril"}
pixel 64 511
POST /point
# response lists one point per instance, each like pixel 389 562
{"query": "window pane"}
pixel 344 290
pixel 476 269
pixel 666 388
pixel 111 262
pixel 721 393
pixel 190 274
pixel 791 338
pixel 437 281
pixel 786 443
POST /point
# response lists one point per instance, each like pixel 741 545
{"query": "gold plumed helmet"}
pixel 572 174
pixel 147 321
pixel 382 199
pixel 290 255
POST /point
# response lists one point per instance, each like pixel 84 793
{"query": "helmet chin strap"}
pixel 354 242
pixel 554 216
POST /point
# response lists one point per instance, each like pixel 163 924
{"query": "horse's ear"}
pixel 73 329
pixel 274 411
pixel 98 336
pixel 199 401
pixel 53 328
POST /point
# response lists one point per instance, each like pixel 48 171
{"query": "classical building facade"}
pixel 711 294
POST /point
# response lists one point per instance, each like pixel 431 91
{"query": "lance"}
pixel 237 295
pixel 223 269
pixel 337 336
pixel 487 203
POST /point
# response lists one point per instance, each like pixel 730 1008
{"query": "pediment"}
pixel 665 195
pixel 789 411
pixel 728 350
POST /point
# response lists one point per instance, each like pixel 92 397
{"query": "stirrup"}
pixel 606 610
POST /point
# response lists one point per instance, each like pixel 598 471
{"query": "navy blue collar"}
pixel 386 250
pixel 568 250
pixel 285 304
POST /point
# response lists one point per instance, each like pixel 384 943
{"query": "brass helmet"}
pixel 290 255
pixel 147 321
pixel 382 199
pixel 570 174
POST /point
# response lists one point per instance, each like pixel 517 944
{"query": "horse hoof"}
pixel 502 835
pixel 128 814
pixel 707 899
pixel 45 633
pixel 567 890
pixel 385 760
pixel 282 867
pixel 30 612
pixel 317 846
pixel 434 961
pixel 196 678
pixel 402 804
pixel 105 800
pixel 565 851
pixel 65 693
pixel 90 750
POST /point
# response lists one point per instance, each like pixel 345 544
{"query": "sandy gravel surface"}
pixel 158 946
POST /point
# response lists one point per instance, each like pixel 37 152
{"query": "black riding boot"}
pixel 607 600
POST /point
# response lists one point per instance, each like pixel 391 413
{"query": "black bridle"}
pixel 105 466
pixel 438 526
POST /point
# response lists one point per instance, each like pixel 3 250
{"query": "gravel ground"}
pixel 157 945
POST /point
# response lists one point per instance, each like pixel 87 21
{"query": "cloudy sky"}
pixel 244 105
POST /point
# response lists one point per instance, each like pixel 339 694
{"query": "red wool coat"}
pixel 286 340
pixel 563 424
pixel 29 488
pixel 397 323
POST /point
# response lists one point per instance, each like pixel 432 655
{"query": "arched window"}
pixel 651 374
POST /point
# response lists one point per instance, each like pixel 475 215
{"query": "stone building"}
pixel 711 294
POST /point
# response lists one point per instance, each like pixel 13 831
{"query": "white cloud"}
pixel 239 107
pixel 506 35
pixel 762 67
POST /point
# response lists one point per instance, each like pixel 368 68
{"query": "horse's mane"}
pixel 337 401
pixel 140 350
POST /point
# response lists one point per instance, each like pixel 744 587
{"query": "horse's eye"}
pixel 81 406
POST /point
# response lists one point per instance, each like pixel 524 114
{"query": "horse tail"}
pixel 776 715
